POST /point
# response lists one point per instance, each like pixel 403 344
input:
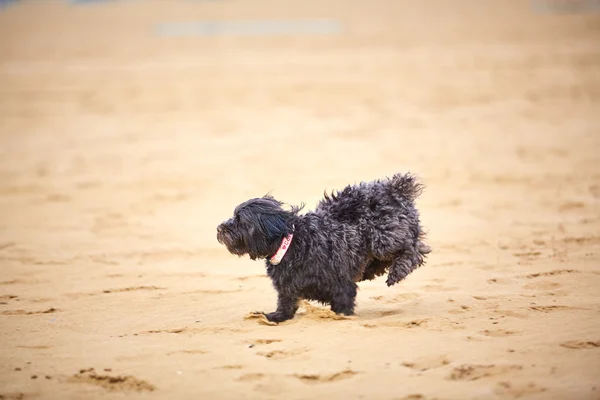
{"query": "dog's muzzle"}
pixel 222 236
pixel 228 237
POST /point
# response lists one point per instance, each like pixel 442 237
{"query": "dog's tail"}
pixel 406 186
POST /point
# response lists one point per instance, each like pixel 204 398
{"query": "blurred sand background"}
pixel 121 150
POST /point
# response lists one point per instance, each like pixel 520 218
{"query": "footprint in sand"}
pixel 23 312
pixel 258 342
pixel 528 255
pixel 516 390
pixel 209 329
pixel 115 290
pixel 191 351
pixel 5 299
pixel 582 240
pixel 113 383
pixel 502 313
pixel 415 396
pixel 460 310
pixel 174 330
pixel 501 281
pixel 132 289
pixel 427 363
pixel 543 285
pixel 484 298
pixel 474 339
pixel 317 378
pixel 281 354
pixel 424 323
pixel 468 372
pixel 13 396
pixel 581 344
pixel 498 332
pixel 550 273
pixel 552 308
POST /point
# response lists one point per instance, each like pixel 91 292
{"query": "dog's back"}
pixel 371 200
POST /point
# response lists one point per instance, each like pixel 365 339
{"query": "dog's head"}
pixel 257 227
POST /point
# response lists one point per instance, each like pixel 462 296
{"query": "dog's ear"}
pixel 273 226
pixel 267 223
pixel 265 234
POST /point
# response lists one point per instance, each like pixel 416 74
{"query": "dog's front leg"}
pixel 287 305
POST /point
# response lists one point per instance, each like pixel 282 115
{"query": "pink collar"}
pixel 283 248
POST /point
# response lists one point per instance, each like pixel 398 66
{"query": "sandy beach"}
pixel 121 149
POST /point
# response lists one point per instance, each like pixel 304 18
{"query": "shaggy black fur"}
pixel 357 234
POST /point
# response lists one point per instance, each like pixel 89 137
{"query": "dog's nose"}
pixel 219 229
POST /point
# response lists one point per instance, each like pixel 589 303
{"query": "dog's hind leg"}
pixel 410 259
pixel 287 305
pixel 342 301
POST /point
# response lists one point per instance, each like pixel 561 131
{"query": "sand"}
pixel 121 150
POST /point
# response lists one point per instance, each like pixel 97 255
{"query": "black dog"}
pixel 357 234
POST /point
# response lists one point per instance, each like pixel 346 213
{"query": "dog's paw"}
pixel 277 317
